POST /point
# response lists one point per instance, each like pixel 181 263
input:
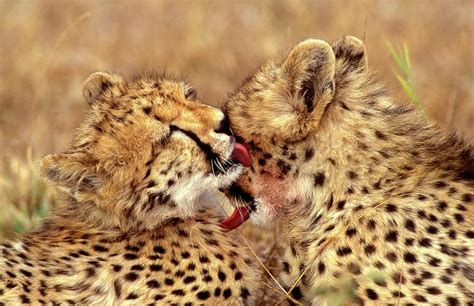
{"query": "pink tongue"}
pixel 241 214
pixel 241 155
pixel 238 217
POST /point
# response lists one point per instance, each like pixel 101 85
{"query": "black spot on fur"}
pixel 26 273
pixel 159 249
pixel 421 197
pixel 354 268
pixel 24 299
pixel 391 208
pixel 137 268
pixel 351 232
pixel 371 294
pixel 178 292
pixel 371 224
pixel 319 179
pixel 100 248
pixel 459 218
pixel 117 288
pixel 467 197
pixel 159 297
pixel 130 256
pixel 296 293
pixel 391 236
pixel 153 284
pixel 425 242
pixel 452 301
pixel 321 267
pixel 131 276
pixel 410 225
pixel 391 256
pixel 189 279
pixel 352 175
pixel 420 298
pixel 380 135
pixel 439 184
pixel 446 279
pixel 409 257
pixel 117 268
pixel 343 251
pixel 330 202
pixel 284 166
pixel 442 205
pixel 432 229
pixel 155 267
pixel 244 293
pixel 203 295
pixel 369 249
pixel 308 154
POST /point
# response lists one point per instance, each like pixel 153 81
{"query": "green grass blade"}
pixel 401 56
pixel 406 54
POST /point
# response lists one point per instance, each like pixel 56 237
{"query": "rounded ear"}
pixel 310 69
pixel 350 53
pixel 69 170
pixel 97 84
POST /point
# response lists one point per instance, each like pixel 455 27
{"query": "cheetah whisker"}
pixel 212 168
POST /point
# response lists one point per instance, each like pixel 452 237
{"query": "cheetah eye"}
pixel 190 93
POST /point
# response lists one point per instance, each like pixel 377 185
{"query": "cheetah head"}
pixel 281 113
pixel 145 153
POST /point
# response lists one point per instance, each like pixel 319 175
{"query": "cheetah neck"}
pixel 366 153
pixel 71 213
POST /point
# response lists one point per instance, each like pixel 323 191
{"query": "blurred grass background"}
pixel 48 47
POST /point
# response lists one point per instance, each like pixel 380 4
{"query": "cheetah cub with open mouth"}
pixel 128 227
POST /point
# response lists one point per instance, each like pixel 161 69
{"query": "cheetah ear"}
pixel 350 54
pixel 98 84
pixel 70 171
pixel 309 70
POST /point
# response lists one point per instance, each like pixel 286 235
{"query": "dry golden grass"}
pixel 47 48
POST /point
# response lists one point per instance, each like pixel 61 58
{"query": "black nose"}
pixel 224 126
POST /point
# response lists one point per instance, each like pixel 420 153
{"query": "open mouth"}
pixel 241 213
pixel 239 156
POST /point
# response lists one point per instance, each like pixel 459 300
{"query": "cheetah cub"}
pixel 127 228
pixel 376 202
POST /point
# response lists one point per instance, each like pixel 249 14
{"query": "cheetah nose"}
pixel 241 155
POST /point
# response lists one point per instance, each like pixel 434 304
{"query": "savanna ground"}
pixel 47 48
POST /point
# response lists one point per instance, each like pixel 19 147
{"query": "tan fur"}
pixel 374 199
pixel 129 226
